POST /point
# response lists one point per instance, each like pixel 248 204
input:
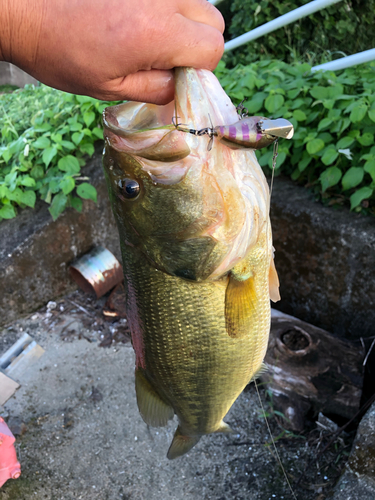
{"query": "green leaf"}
pixel 88 117
pixel 76 126
pixel 37 172
pixel 67 184
pixel 8 212
pixel 299 115
pixel 352 177
pixel 58 205
pixel 87 149
pixel 274 102
pixel 77 137
pixel 28 198
pixel 265 158
pixel 314 146
pixel 87 191
pixel 358 113
pixel 304 163
pixel 76 203
pixel 329 156
pixel 319 93
pixel 369 167
pixel 69 164
pixel 329 103
pixel 98 132
pixel 68 145
pixel 28 181
pixel 256 102
pixel 330 177
pixel 292 94
pixel 357 197
pixel 345 142
pixel 281 157
pixel 56 137
pixel 366 139
pixel 41 143
pixel 48 155
pixel 325 123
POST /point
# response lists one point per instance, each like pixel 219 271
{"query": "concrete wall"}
pixel 11 75
pixel 35 251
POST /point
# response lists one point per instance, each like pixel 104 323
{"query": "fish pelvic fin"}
pixel 225 428
pixel 274 283
pixel 153 409
pixel 181 444
pixel 240 306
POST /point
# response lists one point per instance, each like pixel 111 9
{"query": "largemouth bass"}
pixel 197 255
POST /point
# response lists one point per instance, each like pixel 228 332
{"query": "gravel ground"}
pixel 80 436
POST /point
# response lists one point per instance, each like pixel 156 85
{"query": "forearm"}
pixel 20 28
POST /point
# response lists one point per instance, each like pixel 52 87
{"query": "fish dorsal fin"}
pixel 274 283
pixel 225 428
pixel 153 409
pixel 240 305
pixel 181 444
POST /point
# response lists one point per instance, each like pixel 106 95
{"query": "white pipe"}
pixel 281 21
pixel 346 62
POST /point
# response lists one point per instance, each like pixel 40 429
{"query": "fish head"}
pixel 191 211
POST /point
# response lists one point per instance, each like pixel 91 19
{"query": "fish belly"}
pixel 183 349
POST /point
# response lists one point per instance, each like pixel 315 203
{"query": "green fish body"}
pixel 197 256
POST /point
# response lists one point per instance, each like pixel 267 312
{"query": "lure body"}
pixel 251 132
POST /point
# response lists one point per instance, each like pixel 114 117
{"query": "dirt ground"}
pixel 80 436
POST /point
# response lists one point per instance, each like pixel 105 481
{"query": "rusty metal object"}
pixel 115 307
pixel 97 272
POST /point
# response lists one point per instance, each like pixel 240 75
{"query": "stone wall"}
pixel 326 262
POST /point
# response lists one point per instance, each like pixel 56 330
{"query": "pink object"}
pixel 10 468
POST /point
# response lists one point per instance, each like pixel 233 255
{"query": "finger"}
pixel 202 11
pixel 153 86
pixel 191 44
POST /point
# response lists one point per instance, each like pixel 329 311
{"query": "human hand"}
pixel 113 49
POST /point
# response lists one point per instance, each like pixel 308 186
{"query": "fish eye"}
pixel 129 188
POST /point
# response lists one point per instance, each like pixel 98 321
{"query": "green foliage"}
pixel 333 148
pixel 343 28
pixel 46 137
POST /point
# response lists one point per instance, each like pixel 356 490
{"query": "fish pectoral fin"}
pixel 153 409
pixel 240 307
pixel 225 428
pixel 274 283
pixel 181 444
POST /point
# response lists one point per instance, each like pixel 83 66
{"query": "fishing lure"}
pixel 250 132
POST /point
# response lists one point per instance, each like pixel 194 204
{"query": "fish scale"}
pixel 188 353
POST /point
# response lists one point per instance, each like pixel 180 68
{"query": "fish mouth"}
pixel 222 191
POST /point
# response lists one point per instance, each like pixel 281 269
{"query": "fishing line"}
pixel 274 444
pixel 274 158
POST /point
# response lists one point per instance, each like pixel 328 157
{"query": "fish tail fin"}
pixel 225 428
pixel 181 444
